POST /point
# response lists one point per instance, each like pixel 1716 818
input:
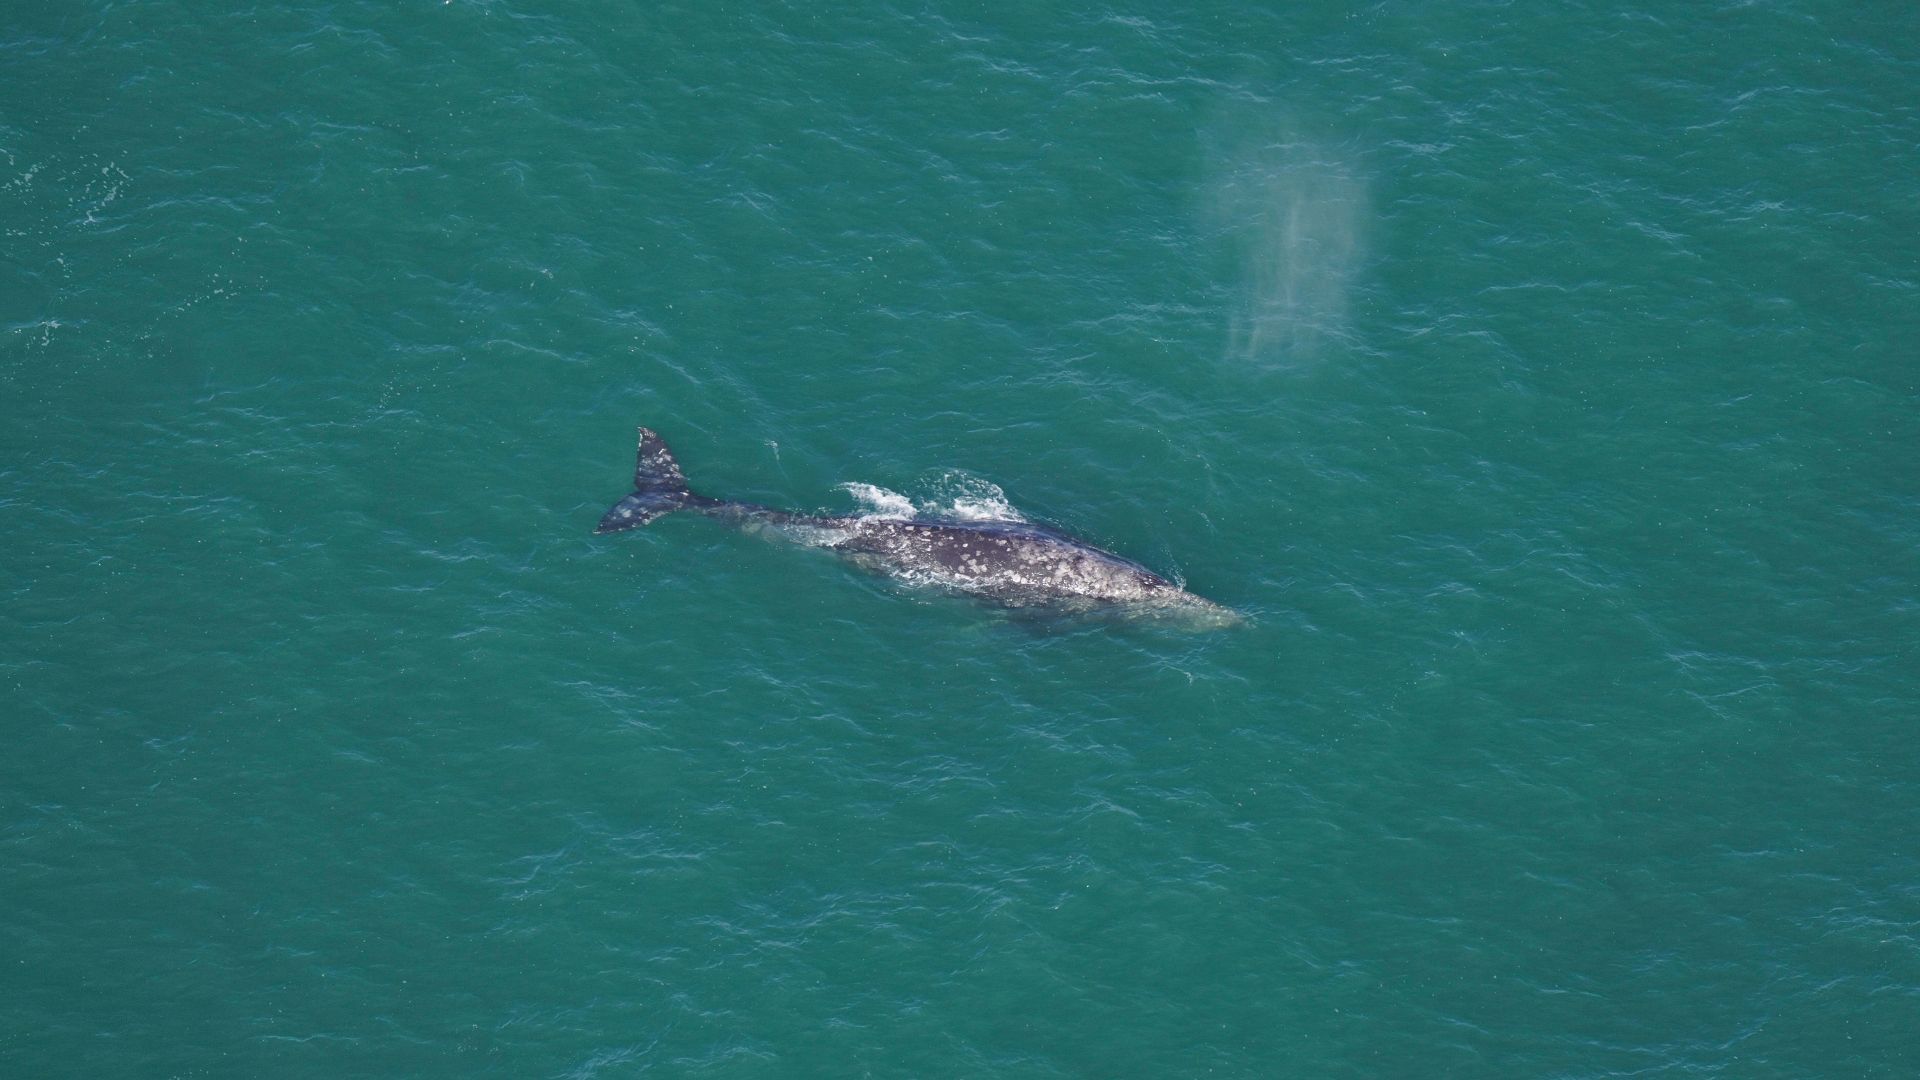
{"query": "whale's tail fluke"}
pixel 658 488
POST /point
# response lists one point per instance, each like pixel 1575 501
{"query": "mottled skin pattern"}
pixel 1009 562
pixel 1012 562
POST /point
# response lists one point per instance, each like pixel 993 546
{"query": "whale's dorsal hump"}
pixel 656 467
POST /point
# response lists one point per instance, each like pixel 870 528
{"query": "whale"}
pixel 1008 563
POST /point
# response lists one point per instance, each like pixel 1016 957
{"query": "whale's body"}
pixel 1014 563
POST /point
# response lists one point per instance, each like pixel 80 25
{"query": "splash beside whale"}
pixel 1012 563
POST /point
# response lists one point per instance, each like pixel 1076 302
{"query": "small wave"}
pixel 965 497
pixel 880 503
pixel 955 496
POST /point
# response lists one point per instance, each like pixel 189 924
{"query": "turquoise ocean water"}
pixel 1539 378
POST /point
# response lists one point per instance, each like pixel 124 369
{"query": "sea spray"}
pixel 1292 210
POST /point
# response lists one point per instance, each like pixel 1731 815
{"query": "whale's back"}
pixel 1016 563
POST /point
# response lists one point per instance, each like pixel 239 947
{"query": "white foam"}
pixel 881 504
pixel 964 497
pixel 955 496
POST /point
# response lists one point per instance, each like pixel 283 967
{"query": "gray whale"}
pixel 1012 563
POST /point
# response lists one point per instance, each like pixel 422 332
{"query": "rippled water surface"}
pixel 1539 379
